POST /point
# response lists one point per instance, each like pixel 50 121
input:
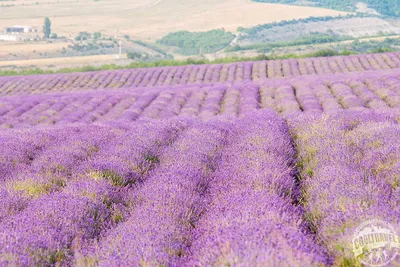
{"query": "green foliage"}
pixel 313 38
pixel 310 39
pixel 47 27
pixel 373 46
pixel 318 53
pixel 90 46
pixel 83 36
pixel 347 52
pixel 390 8
pixel 113 177
pixel 133 65
pixel 83 48
pixel 383 50
pixel 152 159
pixel 194 43
pixel 54 36
pixel 151 46
pixel 96 35
pixel 57 256
pixel 134 55
pixel 138 56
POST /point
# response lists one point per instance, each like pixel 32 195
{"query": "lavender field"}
pixel 197 74
pixel 376 90
pixel 272 163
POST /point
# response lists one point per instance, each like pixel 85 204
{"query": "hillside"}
pixel 212 133
pixel 262 163
pixel 333 29
pixel 150 19
pixel 389 8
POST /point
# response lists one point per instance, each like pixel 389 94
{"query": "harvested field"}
pixel 64 61
pixel 151 19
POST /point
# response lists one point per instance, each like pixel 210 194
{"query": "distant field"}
pixel 190 75
pixel 151 19
pixel 24 49
pixel 64 62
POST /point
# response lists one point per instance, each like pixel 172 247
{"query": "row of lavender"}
pixel 331 94
pixel 187 193
pixel 349 167
pixel 170 193
pixel 196 74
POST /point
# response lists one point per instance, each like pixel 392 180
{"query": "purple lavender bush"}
pixel 349 165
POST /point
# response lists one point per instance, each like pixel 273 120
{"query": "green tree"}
pixel 47 27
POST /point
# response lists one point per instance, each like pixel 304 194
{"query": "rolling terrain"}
pixel 151 19
pixel 351 28
pixel 171 174
pixel 289 162
pixel 166 166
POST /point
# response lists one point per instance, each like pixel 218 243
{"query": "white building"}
pixel 17 29
pixel 20 33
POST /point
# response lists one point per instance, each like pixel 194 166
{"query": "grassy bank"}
pixel 163 63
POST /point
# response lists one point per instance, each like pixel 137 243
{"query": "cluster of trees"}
pixel 139 56
pixel 390 8
pixel 152 47
pixel 374 46
pixel 90 46
pixel 386 7
pixel 308 39
pixel 47 33
pixel 195 43
pixel 84 36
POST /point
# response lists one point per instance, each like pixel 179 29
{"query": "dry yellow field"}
pixel 150 19
pixel 65 62
pixel 26 49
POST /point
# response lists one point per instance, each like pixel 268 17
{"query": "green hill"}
pixel 389 8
